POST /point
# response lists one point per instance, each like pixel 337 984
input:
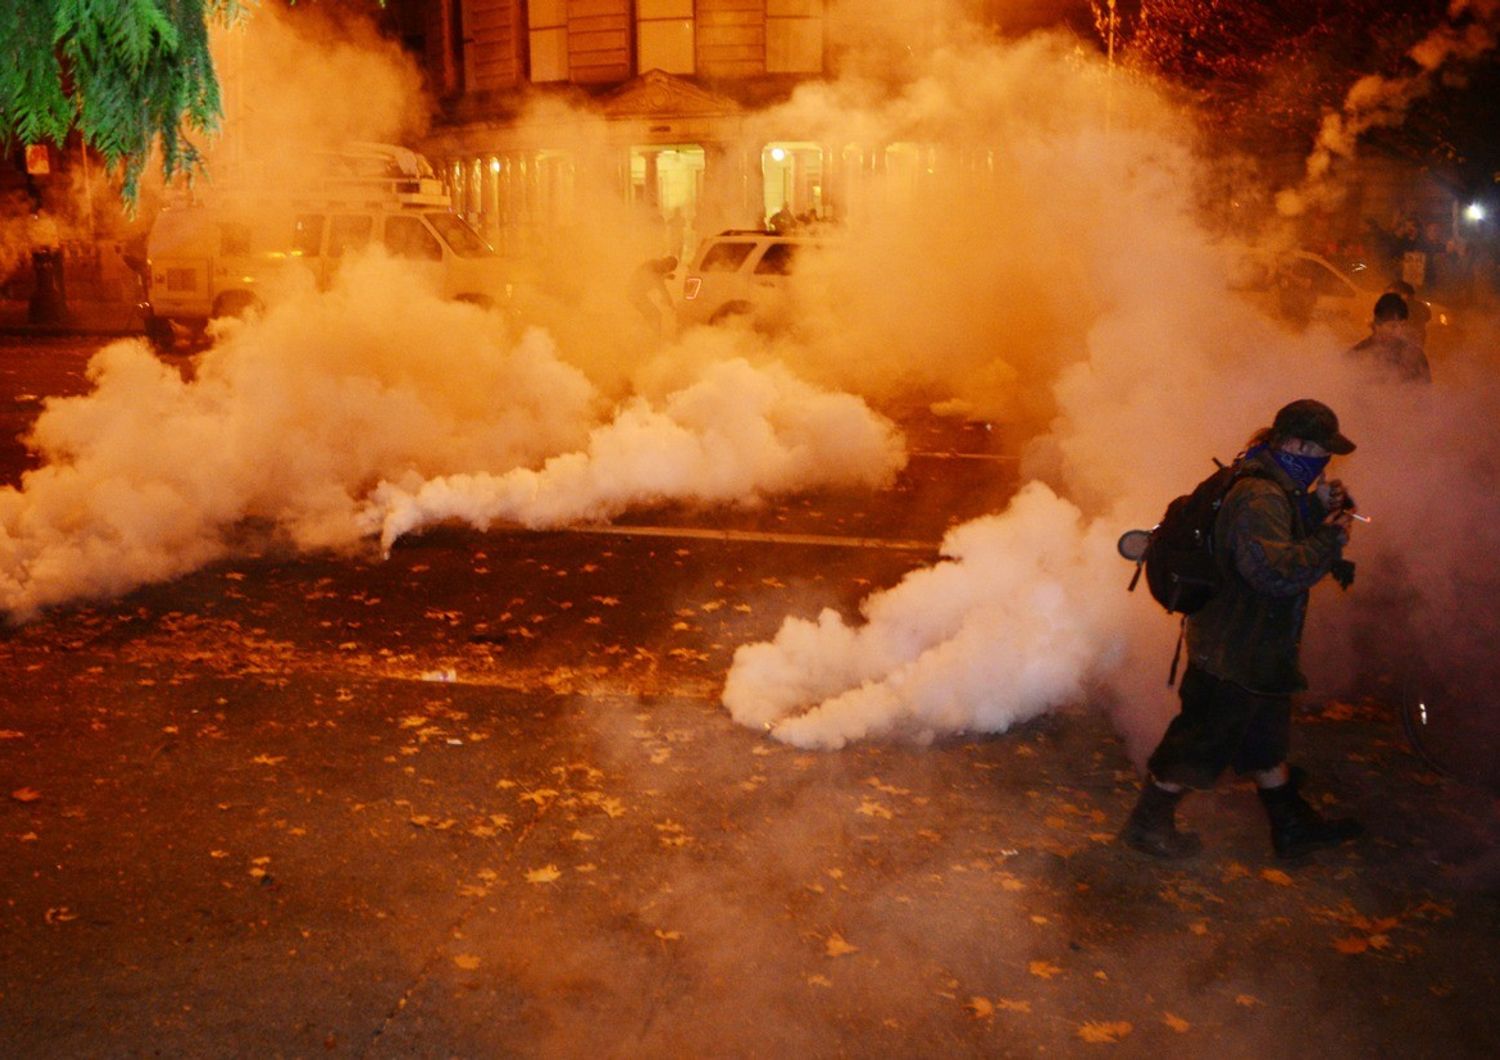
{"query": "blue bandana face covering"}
pixel 1304 470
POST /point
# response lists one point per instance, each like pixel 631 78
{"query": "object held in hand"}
pixel 1361 518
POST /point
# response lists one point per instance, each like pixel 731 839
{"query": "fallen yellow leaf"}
pixel 837 947
pixel 668 936
pixel 1352 944
pixel 26 795
pixel 467 961
pixel 1104 1033
pixel 1247 1000
pixel 1012 1006
pixel 545 874
pixel 1177 1023
pixel 1043 969
pixel 1276 876
pixel 982 1008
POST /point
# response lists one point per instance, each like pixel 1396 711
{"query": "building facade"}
pixel 661 101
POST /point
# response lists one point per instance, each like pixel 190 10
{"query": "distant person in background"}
pixel 48 300
pixel 1389 345
pixel 783 220
pixel 1418 316
pixel 648 291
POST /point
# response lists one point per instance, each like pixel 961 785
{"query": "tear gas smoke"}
pixel 300 82
pixel 1026 250
pixel 1071 294
pixel 1470 31
pixel 737 434
pixel 292 420
pixel 1010 624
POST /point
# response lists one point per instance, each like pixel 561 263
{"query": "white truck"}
pixel 220 257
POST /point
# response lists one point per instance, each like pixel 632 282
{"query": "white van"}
pixel 221 258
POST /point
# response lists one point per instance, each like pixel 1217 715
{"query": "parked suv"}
pixel 1302 288
pixel 221 258
pixel 745 273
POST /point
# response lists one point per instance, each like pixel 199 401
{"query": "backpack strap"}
pixel 1177 652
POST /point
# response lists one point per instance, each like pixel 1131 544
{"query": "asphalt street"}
pixel 480 798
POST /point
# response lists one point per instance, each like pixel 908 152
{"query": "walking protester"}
pixel 1418 315
pixel 1281 529
pixel 1389 344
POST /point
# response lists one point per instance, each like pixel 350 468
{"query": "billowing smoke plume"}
pixel 376 407
pixel 1012 623
pixel 1019 244
pixel 737 434
pixel 1073 297
pixel 1375 101
pixel 289 422
pixel 297 83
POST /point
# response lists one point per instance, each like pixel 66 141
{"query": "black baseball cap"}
pixel 1312 421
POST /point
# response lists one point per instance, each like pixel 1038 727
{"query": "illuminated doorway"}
pixel 792 179
pixel 666 184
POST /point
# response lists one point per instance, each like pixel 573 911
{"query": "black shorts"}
pixel 1221 724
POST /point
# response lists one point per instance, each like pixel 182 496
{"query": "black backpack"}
pixel 1182 571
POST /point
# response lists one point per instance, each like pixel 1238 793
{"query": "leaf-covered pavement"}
pixel 481 799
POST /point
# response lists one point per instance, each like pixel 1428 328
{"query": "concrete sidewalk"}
pixel 84 317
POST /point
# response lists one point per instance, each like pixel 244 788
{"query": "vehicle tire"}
pixel 731 312
pixel 236 304
pixel 161 335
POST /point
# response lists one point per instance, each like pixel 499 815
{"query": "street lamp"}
pixel 1474 212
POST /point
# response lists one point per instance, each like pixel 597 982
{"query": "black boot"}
pixel 1152 829
pixel 1296 828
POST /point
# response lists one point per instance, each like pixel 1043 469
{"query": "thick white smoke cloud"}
pixel 374 406
pixel 1010 624
pixel 1471 30
pixel 1076 285
pixel 286 422
pixel 290 422
pixel 734 436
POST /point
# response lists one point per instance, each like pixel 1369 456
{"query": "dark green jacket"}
pixel 1269 558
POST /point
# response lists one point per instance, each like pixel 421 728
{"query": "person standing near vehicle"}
pixel 1389 344
pixel 48 300
pixel 649 294
pixel 1281 529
